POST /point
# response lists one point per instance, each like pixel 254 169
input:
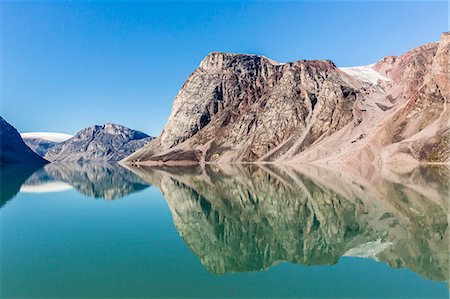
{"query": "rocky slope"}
pixel 248 218
pixel 12 147
pixel 42 142
pixel 110 142
pixel 247 108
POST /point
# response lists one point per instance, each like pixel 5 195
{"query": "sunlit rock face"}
pixel 248 108
pixel 249 218
pixel 97 180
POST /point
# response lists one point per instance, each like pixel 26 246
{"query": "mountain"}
pixel 109 142
pixel 42 142
pixel 248 108
pixel 245 218
pixel 12 147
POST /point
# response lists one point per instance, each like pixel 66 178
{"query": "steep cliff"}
pixel 12 147
pixel 248 108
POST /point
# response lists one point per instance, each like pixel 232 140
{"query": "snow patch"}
pixel 368 250
pixel 364 73
pixel 50 136
pixel 46 187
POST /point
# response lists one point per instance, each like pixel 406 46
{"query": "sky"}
pixel 70 65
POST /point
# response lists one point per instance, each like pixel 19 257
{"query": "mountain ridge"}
pixel 247 108
pixel 108 142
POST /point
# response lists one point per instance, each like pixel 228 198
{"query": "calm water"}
pixel 105 231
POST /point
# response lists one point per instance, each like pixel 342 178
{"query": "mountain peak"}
pixel 248 108
pixel 222 60
pixel 107 142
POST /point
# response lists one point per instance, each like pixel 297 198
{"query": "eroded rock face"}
pixel 247 108
pixel 249 218
pixel 110 142
pixel 13 149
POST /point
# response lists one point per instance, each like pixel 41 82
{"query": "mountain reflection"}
pixel 11 179
pixel 107 181
pixel 249 218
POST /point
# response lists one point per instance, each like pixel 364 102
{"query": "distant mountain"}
pixel 12 147
pixel 42 142
pixel 248 108
pixel 109 142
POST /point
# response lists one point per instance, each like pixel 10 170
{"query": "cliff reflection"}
pixel 249 218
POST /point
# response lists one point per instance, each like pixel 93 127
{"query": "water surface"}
pixel 101 230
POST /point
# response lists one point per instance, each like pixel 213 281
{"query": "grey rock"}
pixel 110 142
pixel 39 146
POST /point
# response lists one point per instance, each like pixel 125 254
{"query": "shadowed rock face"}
pixel 40 146
pixel 239 219
pixel 237 107
pixel 107 181
pixel 13 149
pixel 109 142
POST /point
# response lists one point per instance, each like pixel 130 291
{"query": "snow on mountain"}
pixel 365 73
pixel 50 136
pixel 368 250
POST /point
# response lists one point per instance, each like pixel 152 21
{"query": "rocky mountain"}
pixel 12 147
pixel 240 218
pixel 42 142
pixel 109 142
pixel 248 108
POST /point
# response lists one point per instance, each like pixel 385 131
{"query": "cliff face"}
pixel 13 149
pixel 247 108
pixel 249 218
pixel 110 142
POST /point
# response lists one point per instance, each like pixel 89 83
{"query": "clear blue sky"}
pixel 69 65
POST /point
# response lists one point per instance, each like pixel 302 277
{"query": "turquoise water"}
pixel 91 231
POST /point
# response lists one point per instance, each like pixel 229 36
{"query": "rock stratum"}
pixel 248 108
pixel 240 218
pixel 109 142
pixel 13 150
